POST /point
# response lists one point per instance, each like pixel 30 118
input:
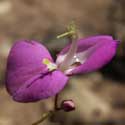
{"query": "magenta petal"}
pixel 95 52
pixel 41 88
pixel 25 63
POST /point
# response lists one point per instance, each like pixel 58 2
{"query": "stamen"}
pixel 65 34
pixel 51 66
pixel 71 31
pixel 73 48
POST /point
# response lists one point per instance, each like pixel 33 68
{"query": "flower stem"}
pixel 44 116
pixel 48 114
pixel 56 102
pixel 56 108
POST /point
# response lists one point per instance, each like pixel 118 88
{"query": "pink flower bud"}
pixel 68 105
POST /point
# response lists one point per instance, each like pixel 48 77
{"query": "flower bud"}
pixel 68 105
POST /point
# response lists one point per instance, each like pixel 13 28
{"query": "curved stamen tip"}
pixel 72 27
pixel 71 31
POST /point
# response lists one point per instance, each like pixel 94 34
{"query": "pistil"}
pixel 70 56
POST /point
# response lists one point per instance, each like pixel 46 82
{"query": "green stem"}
pixel 44 116
pixel 48 114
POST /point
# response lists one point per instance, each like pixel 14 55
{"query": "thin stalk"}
pixel 56 108
pixel 44 116
pixel 48 114
pixel 71 53
pixel 56 102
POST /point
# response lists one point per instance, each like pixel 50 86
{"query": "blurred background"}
pixel 100 96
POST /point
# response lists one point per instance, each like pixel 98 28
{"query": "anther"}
pixel 71 31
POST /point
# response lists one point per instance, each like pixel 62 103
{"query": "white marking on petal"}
pixel 60 59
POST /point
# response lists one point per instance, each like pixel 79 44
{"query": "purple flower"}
pixel 32 74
